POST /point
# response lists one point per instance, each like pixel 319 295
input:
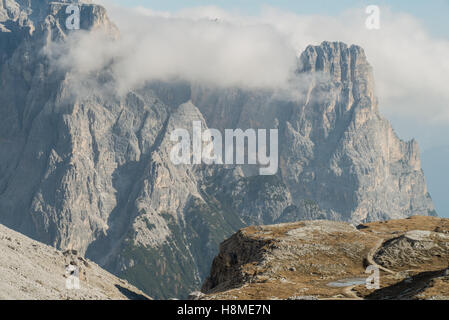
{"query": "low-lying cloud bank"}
pixel 207 51
pixel 217 47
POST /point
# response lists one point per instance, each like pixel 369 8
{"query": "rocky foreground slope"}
pixel 327 260
pixel 31 270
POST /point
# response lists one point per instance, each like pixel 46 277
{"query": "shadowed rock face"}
pixel 91 170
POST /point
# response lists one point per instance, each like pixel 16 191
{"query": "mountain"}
pixel 328 260
pixel 434 162
pixel 85 166
pixel 31 270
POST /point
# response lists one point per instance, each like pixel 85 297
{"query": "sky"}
pixel 409 54
pixel 434 13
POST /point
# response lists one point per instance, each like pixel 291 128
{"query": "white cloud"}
pixel 163 47
pixel 211 45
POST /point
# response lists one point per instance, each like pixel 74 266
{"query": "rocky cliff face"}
pixel 339 159
pixel 92 171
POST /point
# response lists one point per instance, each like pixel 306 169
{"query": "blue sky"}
pixel 434 14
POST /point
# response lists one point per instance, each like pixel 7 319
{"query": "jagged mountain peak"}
pixel 343 64
pixel 328 55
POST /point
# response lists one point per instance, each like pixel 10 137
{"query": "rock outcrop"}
pixel 328 260
pixel 85 166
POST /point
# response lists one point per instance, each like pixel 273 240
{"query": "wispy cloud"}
pixel 215 46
